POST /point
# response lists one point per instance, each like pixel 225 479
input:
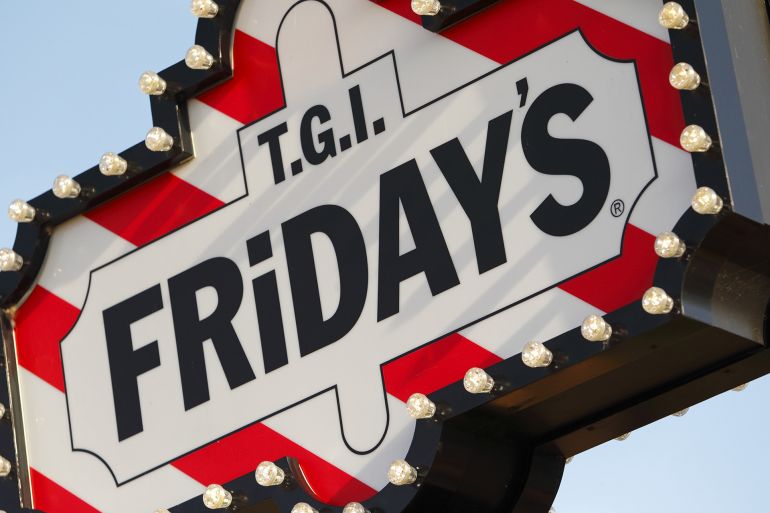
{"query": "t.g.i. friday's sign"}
pixel 367 232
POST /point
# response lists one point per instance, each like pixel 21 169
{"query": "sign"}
pixel 363 209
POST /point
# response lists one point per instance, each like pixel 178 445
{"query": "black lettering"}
pixel 582 159
pixel 326 138
pixel 479 198
pixel 341 228
pixel 268 304
pixel 359 119
pixel 127 364
pixel 404 186
pixel 191 332
pixel 271 138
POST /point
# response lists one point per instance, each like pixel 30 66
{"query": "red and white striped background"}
pixel 68 482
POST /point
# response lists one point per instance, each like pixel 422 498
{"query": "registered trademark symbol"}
pixel 617 208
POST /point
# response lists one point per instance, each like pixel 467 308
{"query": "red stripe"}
pixel 510 29
pixel 435 366
pixel 623 280
pixel 41 323
pixel 154 209
pixel 255 89
pixel 49 497
pixel 241 452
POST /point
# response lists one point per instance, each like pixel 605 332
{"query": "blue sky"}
pixel 69 92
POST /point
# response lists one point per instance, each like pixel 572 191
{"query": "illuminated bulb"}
pixel 655 301
pixel 216 497
pixel 477 381
pixel 596 329
pixel 2 410
pixel 21 212
pixel 694 139
pixel 355 507
pixel 198 58
pixel 10 260
pixel 426 7
pixel 535 354
pixel 420 407
pixel 623 438
pixel 402 473
pixel 707 201
pixel 5 467
pixel 112 164
pixel 684 77
pixel 681 413
pixel 668 245
pixel 204 8
pixel 569 460
pixel 303 507
pixel 741 388
pixel 672 16
pixel 158 140
pixel 65 187
pixel 151 83
pixel 269 474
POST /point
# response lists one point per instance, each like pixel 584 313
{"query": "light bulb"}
pixel 426 7
pixel 596 329
pixel 204 8
pixel 695 139
pixel 21 212
pixel 269 474
pixel 420 407
pixel 669 245
pixel 65 187
pixel 355 507
pixel 684 77
pixel 5 467
pixel 741 388
pixel 706 201
pixel 198 58
pixel 158 140
pixel 477 381
pixel 151 83
pixel 681 413
pixel 216 497
pixel 569 460
pixel 303 507
pixel 112 164
pixel 655 301
pixel 2 410
pixel 535 354
pixel 10 260
pixel 672 16
pixel 402 473
pixel 623 438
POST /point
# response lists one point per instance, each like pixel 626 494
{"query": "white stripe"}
pixel 49 450
pixel 216 168
pixel 666 200
pixel 640 14
pixel 77 247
